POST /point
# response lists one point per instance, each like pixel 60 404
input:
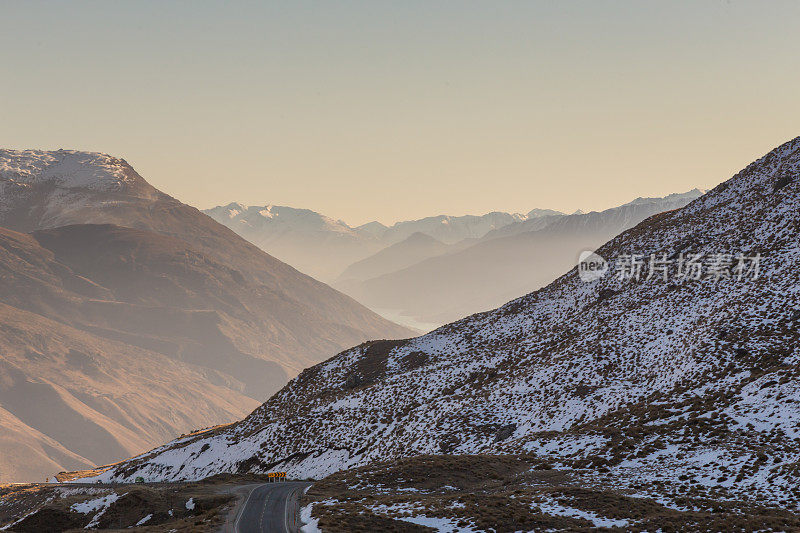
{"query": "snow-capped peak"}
pixel 66 168
pixel 300 220
pixel 64 181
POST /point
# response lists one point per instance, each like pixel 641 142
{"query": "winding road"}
pixel 271 508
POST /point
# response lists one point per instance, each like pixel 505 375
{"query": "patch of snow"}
pixel 91 506
pixel 557 509
pixel 414 515
pixel 98 506
pixel 442 525
pixel 66 492
pixel 310 524
pixel 144 520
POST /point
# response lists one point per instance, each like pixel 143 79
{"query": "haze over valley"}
pixel 425 273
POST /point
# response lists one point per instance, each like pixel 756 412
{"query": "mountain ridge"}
pixel 38 203
pixel 128 317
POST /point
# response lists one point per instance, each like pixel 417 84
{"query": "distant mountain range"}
pixel 324 248
pixel 655 388
pixel 309 241
pixel 450 229
pixel 128 317
pixel 437 269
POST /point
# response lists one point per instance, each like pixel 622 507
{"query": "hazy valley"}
pixel 428 272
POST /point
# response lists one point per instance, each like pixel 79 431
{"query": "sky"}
pixel 393 110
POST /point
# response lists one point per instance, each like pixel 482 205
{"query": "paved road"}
pixel 271 508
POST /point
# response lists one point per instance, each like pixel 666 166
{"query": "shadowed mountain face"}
pixel 417 247
pixel 116 273
pixel 641 384
pixel 82 380
pixel 160 294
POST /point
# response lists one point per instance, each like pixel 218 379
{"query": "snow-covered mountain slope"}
pixel 505 263
pixel 539 213
pixel 67 168
pixel 643 384
pixel 40 189
pixel 677 197
pixel 279 219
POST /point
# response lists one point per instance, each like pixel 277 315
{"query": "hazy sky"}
pixel 395 110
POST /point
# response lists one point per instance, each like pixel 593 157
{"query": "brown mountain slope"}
pixel 41 190
pixel 113 338
pixel 71 399
pixel 29 454
pixel 150 291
